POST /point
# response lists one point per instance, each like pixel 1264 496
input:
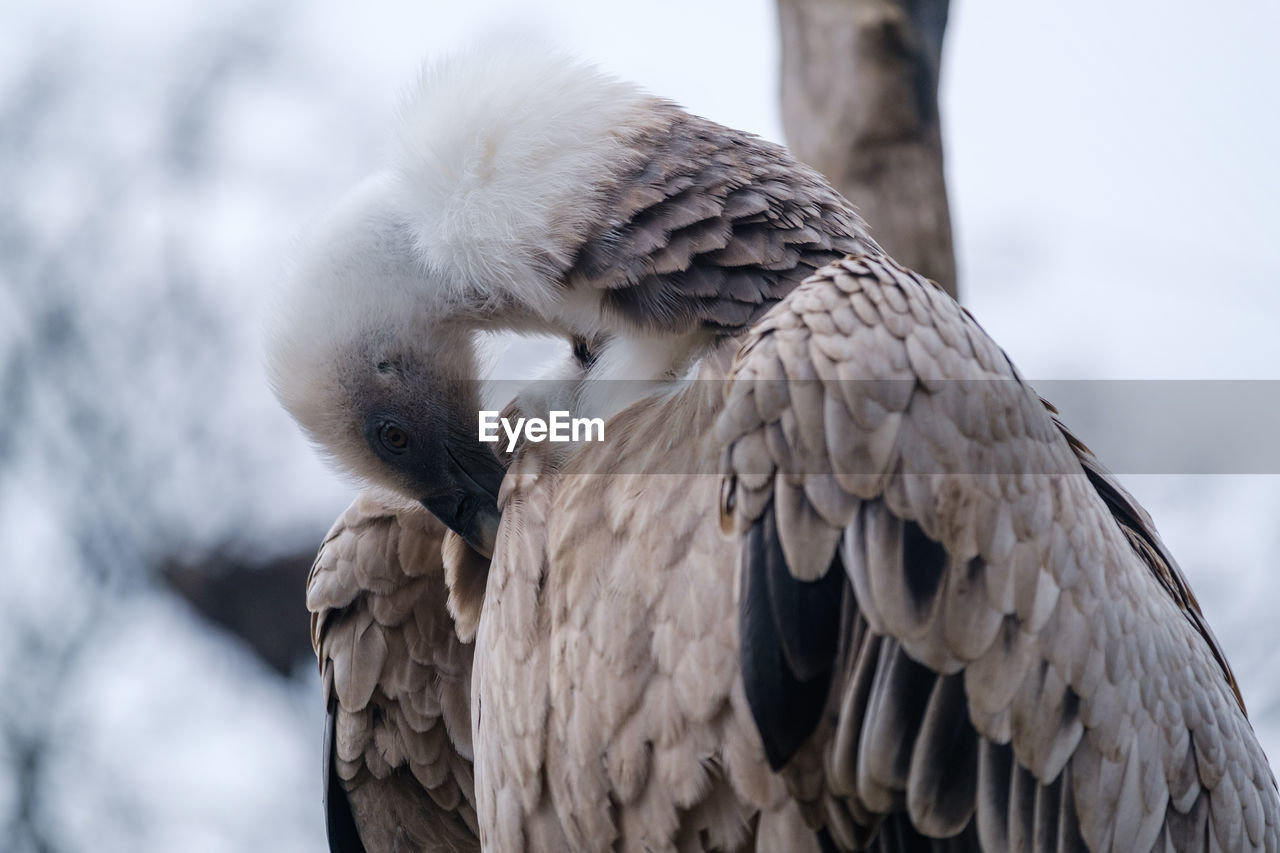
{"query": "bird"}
pixel 835 579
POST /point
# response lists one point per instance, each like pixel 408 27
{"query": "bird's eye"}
pixel 393 438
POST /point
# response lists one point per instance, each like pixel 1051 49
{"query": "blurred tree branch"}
pixel 112 350
pixel 262 604
pixel 860 104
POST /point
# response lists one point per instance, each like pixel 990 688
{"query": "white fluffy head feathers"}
pixel 483 205
pixel 497 156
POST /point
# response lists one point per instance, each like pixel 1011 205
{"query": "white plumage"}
pixel 494 155
pixel 846 639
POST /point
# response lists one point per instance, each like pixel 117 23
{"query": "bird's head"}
pixel 472 225
pixel 380 373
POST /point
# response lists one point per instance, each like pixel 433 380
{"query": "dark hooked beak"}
pixel 470 508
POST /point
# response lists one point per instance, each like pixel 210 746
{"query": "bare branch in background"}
pixel 114 350
pixel 260 603
pixel 860 104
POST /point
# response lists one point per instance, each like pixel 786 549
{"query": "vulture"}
pixel 836 578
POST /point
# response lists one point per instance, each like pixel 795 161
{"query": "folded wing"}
pixel 954 623
pixel 397 683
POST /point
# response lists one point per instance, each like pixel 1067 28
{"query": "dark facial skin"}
pixel 432 447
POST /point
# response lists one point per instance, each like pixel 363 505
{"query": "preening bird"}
pixel 836 579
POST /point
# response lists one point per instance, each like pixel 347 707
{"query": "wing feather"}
pixel 710 228
pixel 941 795
pixel 1018 611
pixel 397 681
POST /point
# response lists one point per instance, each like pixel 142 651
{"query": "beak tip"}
pixel 485 532
pixel 473 518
